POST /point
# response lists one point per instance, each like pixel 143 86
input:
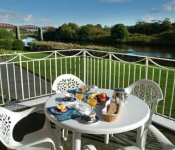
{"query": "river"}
pixel 162 52
pixel 27 40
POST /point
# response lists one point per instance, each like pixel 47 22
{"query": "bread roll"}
pixel 112 109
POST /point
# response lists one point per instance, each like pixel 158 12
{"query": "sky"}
pixel 55 13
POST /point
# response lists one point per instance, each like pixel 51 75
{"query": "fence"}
pixel 25 76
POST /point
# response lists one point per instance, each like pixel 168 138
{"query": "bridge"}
pixel 17 29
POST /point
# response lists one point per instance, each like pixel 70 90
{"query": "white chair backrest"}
pixel 147 90
pixel 66 82
pixel 8 120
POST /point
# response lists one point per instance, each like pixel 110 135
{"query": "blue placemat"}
pixel 70 114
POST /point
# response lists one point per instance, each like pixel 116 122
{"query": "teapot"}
pixel 119 95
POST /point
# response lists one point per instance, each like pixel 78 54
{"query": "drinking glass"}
pixel 92 102
pixel 84 89
pixel 79 96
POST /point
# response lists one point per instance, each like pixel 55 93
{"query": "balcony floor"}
pixel 117 141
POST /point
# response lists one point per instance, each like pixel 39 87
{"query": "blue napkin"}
pixel 70 114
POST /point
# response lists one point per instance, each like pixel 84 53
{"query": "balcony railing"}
pixel 27 76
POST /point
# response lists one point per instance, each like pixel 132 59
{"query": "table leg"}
pixel 58 135
pixel 139 140
pixel 106 139
pixel 76 141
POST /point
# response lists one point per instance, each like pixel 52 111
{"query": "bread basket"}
pixel 110 117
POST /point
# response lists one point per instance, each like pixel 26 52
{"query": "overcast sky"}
pixel 82 12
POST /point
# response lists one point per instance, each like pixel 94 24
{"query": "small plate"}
pixel 89 122
pixel 55 111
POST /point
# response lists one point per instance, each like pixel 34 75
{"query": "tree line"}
pixel 153 33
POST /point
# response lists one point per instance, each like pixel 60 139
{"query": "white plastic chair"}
pixel 9 120
pixel 147 90
pixel 165 143
pixel 66 82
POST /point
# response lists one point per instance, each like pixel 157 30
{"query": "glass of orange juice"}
pixel 79 96
pixel 92 102
pixel 84 89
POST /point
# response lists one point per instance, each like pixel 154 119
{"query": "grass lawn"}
pixel 122 74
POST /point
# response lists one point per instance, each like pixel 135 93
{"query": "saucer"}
pixel 89 122
pixel 69 99
pixel 55 111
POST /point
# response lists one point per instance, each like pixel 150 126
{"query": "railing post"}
pixel 84 63
pixel 146 67
pixel 110 58
pixel 55 64
pixel 21 73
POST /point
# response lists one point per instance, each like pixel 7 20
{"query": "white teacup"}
pixel 90 115
pixel 68 97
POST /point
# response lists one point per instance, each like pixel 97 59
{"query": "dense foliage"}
pixel 4 34
pixel 154 33
pixel 119 31
pixel 18 45
pixel 155 27
pixel 7 41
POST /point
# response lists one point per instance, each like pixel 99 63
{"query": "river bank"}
pixel 49 45
pixel 162 52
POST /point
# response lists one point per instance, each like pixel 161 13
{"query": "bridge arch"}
pixel 7 26
pixel 29 27
pixel 17 28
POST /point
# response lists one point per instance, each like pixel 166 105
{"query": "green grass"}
pixel 97 68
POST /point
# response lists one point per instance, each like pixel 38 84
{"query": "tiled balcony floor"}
pixel 119 140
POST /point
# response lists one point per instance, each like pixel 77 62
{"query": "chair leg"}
pixel 65 134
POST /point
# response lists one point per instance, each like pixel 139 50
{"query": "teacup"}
pixel 90 115
pixel 68 96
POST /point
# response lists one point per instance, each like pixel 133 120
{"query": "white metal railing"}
pixel 25 76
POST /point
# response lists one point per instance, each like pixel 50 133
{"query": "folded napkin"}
pixel 70 114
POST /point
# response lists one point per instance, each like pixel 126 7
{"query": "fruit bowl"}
pixel 101 97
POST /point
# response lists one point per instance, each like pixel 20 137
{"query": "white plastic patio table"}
pixel 132 115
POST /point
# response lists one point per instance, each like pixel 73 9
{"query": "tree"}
pixel 85 33
pixel 64 32
pixel 119 31
pixel 6 39
pixel 67 31
pixel 49 35
pixel 166 25
pixel 4 34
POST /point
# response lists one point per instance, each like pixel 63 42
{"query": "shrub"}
pixel 18 45
pixel 5 34
pixel 6 44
